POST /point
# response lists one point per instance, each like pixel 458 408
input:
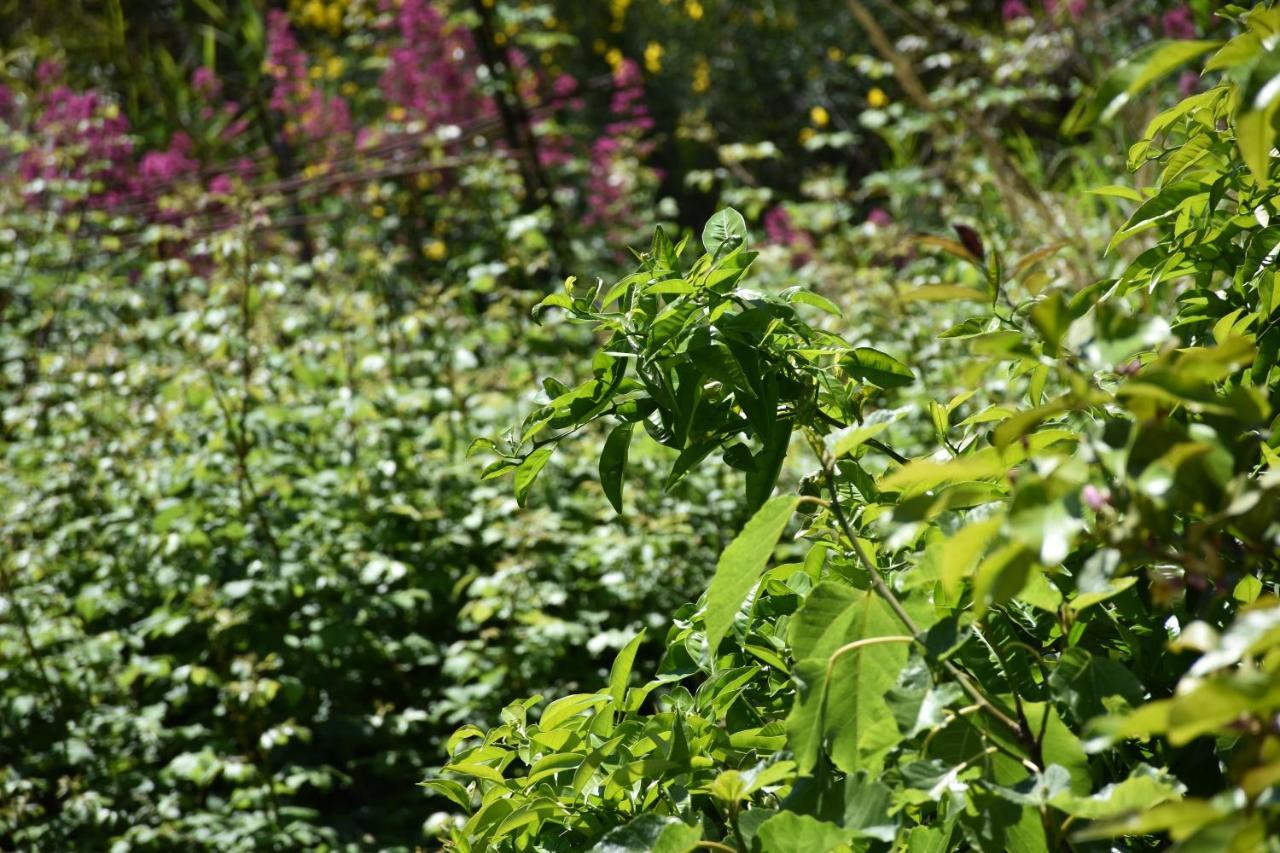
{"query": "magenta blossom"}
pixel 1012 10
pixel 431 73
pixel 879 217
pixel 1179 23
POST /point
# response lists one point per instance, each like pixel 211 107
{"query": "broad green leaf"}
pixel 651 833
pixel 742 562
pixel 725 230
pixel 791 831
pixel 849 711
pixel 1083 683
pixel 867 804
pixel 1145 788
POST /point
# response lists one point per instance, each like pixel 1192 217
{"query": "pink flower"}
pixel 205 83
pixel 1188 83
pixel 879 217
pixel 221 185
pixel 1095 498
pixel 1179 23
pixel 431 73
pixel 172 164
pixel 1014 9
pixel 313 118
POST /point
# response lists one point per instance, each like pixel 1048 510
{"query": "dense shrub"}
pixel 1031 602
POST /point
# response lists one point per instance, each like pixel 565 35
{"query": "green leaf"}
pixel 475 770
pixel 454 791
pixel 620 672
pixel 1119 87
pixel 613 463
pixel 569 706
pixel 880 369
pixel 822 303
pixel 866 808
pixel 1255 121
pixel 723 231
pixel 1083 683
pixel 1145 788
pixel 740 565
pixel 791 831
pixel 849 710
pixel 527 471
pixel 651 833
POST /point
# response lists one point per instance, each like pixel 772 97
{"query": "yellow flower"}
pixel 877 99
pixel 806 134
pixel 819 116
pixel 435 250
pixel 701 76
pixel 835 54
pixel 349 89
pixel 334 67
pixel 396 114
pixel 378 211
pixel 653 57
pixel 693 9
pixel 613 57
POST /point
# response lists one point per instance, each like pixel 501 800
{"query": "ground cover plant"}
pixel 679 425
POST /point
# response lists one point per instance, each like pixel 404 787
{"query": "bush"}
pixel 1040 612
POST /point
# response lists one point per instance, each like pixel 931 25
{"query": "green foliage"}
pixel 1043 615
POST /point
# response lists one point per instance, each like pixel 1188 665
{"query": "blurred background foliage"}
pixel 267 268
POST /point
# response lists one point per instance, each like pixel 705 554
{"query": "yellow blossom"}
pixel 396 114
pixel 435 250
pixel 806 134
pixel 693 9
pixel 877 99
pixel 653 57
pixel 819 116
pixel 835 54
pixel 334 67
pixel 378 211
pixel 613 57
pixel 701 75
